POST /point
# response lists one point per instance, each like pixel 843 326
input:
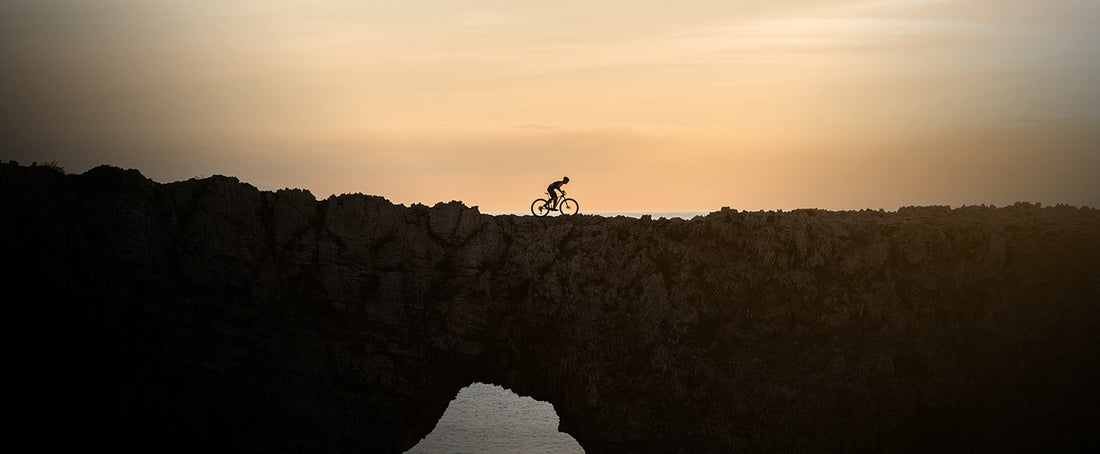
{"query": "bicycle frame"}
pixel 553 202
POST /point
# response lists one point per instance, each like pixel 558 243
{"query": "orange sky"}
pixel 645 105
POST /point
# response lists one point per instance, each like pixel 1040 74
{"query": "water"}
pixel 631 214
pixel 489 419
pixel 653 214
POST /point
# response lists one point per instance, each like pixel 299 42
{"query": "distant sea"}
pixel 631 214
pixel 488 419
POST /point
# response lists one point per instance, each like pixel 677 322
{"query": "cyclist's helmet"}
pixel 565 179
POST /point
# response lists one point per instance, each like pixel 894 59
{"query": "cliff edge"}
pixel 208 315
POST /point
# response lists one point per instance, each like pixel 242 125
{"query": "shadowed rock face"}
pixel 207 315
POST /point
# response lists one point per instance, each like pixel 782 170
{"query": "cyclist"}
pixel 553 188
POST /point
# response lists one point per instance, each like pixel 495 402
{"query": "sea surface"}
pixel 488 419
pixel 629 214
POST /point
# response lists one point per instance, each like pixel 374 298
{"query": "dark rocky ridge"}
pixel 207 315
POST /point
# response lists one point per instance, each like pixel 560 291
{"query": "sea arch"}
pixel 218 315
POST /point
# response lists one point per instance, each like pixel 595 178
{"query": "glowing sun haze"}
pixel 645 105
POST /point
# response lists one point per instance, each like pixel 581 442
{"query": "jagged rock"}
pixel 208 315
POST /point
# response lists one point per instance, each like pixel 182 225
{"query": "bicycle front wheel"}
pixel 568 207
pixel 539 207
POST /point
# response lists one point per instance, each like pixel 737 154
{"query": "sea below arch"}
pixel 489 419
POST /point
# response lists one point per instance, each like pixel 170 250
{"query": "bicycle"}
pixel 565 206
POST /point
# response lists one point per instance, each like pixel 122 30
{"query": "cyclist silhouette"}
pixel 553 189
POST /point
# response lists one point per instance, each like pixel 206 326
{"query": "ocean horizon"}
pixel 685 214
pixel 689 214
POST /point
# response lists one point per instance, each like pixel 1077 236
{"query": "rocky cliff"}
pixel 206 315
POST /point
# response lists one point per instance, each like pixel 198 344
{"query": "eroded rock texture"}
pixel 206 315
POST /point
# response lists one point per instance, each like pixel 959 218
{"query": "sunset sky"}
pixel 645 105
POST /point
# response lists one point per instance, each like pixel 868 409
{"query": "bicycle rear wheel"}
pixel 568 207
pixel 539 207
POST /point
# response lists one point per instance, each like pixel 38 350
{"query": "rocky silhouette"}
pixel 206 315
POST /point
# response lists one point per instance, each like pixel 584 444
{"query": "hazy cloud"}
pixel 781 102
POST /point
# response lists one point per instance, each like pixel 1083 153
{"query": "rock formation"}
pixel 206 315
